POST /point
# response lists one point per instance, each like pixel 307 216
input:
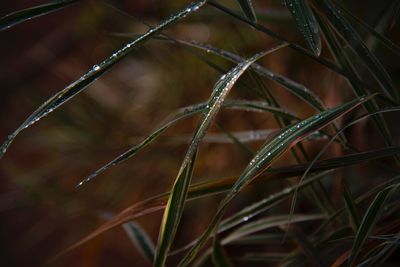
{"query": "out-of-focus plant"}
pixel 323 218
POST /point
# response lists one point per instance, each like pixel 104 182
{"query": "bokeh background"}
pixel 41 211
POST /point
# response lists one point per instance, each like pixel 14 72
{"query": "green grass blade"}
pixel 219 256
pixel 217 186
pixel 368 222
pixel 244 105
pixel 306 23
pixel 140 240
pixel 177 199
pixel 248 10
pixel 21 16
pixel 355 41
pixel 266 155
pixel 384 40
pixel 351 207
pixel 98 70
pixel 295 88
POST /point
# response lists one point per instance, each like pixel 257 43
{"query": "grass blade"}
pixel 140 240
pixel 306 23
pixel 98 70
pixel 355 41
pixel 20 16
pixel 351 207
pixel 266 155
pixel 248 10
pixel 219 256
pixel 208 188
pixel 177 199
pixel 368 222
pixel 255 106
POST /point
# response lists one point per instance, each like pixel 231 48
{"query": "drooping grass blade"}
pixel 266 155
pixel 306 23
pixel 97 71
pixel 20 16
pixel 368 222
pixel 355 41
pixel 248 10
pixel 209 188
pixel 177 198
pixel 255 106
pixel 351 207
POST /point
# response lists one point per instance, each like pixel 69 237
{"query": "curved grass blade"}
pixel 140 240
pixel 98 70
pixel 368 222
pixel 266 155
pixel 355 41
pixel 219 256
pixel 351 207
pixel 295 88
pixel 255 106
pixel 384 40
pixel 248 10
pixel 20 16
pixel 218 186
pixel 268 222
pixel 174 209
pixel 306 23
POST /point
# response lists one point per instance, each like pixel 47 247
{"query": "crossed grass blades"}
pixel 316 20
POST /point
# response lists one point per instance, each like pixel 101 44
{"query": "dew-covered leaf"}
pixel 97 71
pixel 306 23
pixel 174 208
pixel 272 150
pixel 20 16
pixel 248 10
pixel 182 113
pixel 355 41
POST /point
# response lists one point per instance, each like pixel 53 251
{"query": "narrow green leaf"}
pixel 355 41
pixel 219 256
pixel 384 40
pixel 20 16
pixel 262 257
pixel 368 222
pixel 268 222
pixel 182 113
pixel 217 186
pixel 306 23
pixel 248 10
pixel 98 70
pixel 266 155
pixel 351 207
pixel 177 199
pixel 140 240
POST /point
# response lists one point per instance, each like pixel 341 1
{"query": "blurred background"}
pixel 41 211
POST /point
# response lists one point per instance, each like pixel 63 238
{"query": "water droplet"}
pixel 96 67
pixel 245 219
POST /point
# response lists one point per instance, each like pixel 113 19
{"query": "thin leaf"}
pixel 177 199
pixel 98 70
pixel 217 186
pixel 182 113
pixel 355 41
pixel 20 16
pixel 351 207
pixel 140 240
pixel 248 10
pixel 219 256
pixel 266 155
pixel 368 222
pixel 306 23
